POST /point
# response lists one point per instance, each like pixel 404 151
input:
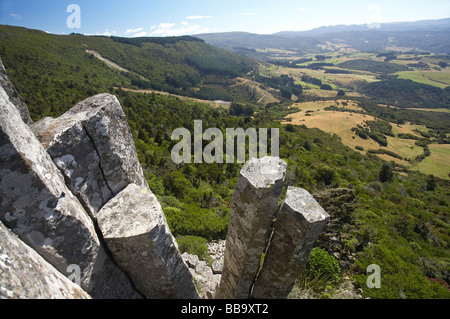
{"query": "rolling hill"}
pixel 429 35
pixel 66 69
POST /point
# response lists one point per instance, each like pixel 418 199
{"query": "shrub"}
pixel 193 245
pixel 325 174
pixel 321 270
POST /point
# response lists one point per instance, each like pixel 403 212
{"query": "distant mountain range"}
pixel 426 35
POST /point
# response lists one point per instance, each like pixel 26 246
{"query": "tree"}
pixel 286 92
pixel 325 174
pixel 307 145
pixel 237 109
pixel 341 93
pixel 431 183
pixel 326 87
pixel 386 173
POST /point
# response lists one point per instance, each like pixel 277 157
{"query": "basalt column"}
pixel 297 228
pixel 137 234
pixel 254 205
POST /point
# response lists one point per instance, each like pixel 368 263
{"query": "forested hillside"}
pixel 64 72
pixel 407 93
pixel 400 220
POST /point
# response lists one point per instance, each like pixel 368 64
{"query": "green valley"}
pixel 345 121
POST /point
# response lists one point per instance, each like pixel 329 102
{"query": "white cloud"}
pixel 16 16
pixel 198 17
pixel 165 26
pixel 303 9
pixel 248 13
pixel 138 32
pixel 131 31
pixel 108 33
pixel 171 29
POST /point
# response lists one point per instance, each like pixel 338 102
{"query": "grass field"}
pixel 439 79
pixel 438 163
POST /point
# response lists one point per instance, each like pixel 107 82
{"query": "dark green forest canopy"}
pixel 407 93
pixel 158 40
pixel 372 66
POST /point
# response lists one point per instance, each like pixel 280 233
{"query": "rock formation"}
pixel 26 275
pixel 36 205
pixel 52 189
pixel 298 225
pixel 136 232
pixel 254 204
pixel 73 197
pixel 93 147
pixel 267 248
pixel 206 279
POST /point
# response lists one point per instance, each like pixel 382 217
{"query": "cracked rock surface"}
pixel 92 145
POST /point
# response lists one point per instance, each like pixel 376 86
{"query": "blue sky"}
pixel 179 17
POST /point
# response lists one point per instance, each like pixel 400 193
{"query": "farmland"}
pixel 341 123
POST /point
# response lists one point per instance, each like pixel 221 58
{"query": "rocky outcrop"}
pixel 254 204
pixel 52 189
pixel 92 145
pixel 37 206
pixel 267 247
pixel 26 275
pixel 74 193
pixel 13 96
pixel 298 225
pixel 205 278
pixel 136 232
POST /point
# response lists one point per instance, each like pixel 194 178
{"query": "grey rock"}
pixel 24 274
pixel 73 152
pixel 13 96
pixel 206 279
pixel 106 124
pixel 191 260
pixel 36 205
pixel 93 147
pixel 137 234
pixel 297 228
pixel 217 267
pixel 203 269
pixel 254 204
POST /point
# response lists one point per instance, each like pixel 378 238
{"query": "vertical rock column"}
pixel 254 205
pixel 137 234
pixel 297 228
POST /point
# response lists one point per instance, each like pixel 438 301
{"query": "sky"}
pixel 132 18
